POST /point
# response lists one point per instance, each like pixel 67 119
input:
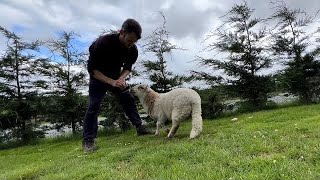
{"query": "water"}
pixel 283 98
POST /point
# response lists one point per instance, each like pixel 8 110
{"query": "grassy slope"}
pixel 277 144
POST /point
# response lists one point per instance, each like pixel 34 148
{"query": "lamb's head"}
pixel 140 90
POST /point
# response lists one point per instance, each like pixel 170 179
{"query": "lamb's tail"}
pixel 196 120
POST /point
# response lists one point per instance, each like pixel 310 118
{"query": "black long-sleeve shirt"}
pixel 109 56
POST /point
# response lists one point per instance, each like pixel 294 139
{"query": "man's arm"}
pixel 120 83
pixel 122 79
pixel 101 77
pixel 124 74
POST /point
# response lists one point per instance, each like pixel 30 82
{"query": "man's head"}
pixel 130 32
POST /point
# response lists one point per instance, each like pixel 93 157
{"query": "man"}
pixel 110 62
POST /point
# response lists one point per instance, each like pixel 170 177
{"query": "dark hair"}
pixel 131 25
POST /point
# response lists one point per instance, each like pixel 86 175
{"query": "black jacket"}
pixel 109 56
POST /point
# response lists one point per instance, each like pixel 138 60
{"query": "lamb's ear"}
pixel 142 87
pixel 146 87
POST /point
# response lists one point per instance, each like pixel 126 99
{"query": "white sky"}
pixel 188 21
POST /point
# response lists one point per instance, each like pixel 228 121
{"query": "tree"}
pixel 68 80
pixel 210 102
pixel 19 84
pixel 315 80
pixel 159 44
pixel 292 44
pixel 238 38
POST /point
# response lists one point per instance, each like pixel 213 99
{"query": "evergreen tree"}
pixel 158 43
pixel 68 80
pixel 19 84
pixel 239 38
pixel 293 45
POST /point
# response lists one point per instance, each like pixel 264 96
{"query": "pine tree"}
pixel 70 107
pixel 239 39
pixel 19 84
pixel 158 43
pixel 291 44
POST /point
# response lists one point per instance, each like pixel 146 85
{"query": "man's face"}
pixel 128 39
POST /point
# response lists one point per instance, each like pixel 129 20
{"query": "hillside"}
pixel 275 144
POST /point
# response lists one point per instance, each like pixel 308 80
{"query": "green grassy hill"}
pixel 275 144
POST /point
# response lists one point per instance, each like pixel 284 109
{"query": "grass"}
pixel 272 145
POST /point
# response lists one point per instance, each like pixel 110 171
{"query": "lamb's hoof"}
pixel 169 137
pixel 167 130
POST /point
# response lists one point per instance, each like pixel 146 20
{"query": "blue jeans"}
pixel 97 91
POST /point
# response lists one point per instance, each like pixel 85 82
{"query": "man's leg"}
pixel 90 126
pixel 128 104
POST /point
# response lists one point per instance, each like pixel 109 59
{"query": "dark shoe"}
pixel 88 146
pixel 142 130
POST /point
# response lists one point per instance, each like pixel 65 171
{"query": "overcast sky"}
pixel 188 21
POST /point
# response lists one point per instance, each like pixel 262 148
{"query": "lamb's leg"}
pixel 160 123
pixel 174 128
pixel 178 116
pixel 158 128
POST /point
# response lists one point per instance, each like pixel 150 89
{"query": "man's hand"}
pixel 119 83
